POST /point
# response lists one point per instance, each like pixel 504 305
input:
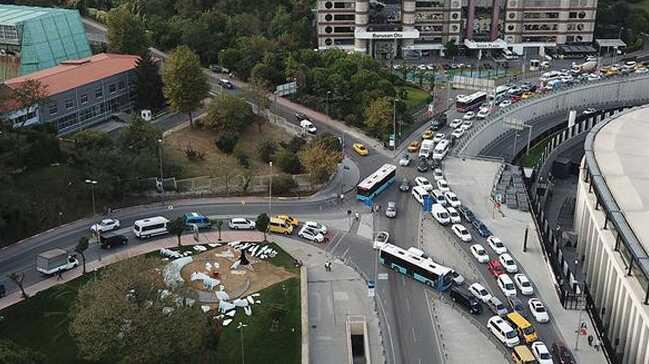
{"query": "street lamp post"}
pixel 328 97
pixel 394 124
pixel 162 185
pixel 240 327
pixel 92 184
pixel 270 189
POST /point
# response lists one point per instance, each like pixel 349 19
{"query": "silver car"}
pixel 391 210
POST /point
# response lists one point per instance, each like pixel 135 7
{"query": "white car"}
pixel 483 113
pixel 438 174
pixel 508 263
pixel 505 103
pixel 506 285
pixel 454 215
pixel 466 125
pixel 468 115
pixel 239 223
pixel 461 232
pixel 458 279
pixel 316 226
pixel 479 253
pixel 641 70
pixel 457 133
pixel 589 111
pixel 310 234
pixel 458 97
pixel 308 126
pixel 381 238
pixel 391 210
pixel 524 285
pixel 455 123
pixel 405 160
pixel 541 353
pixel 438 137
pixel 480 292
pixel 451 199
pixel 423 182
pixel 105 225
pixel 538 310
pixel 442 185
pixel 496 245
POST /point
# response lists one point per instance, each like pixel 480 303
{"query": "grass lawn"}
pixel 415 96
pixel 535 154
pixel 216 162
pixel 41 323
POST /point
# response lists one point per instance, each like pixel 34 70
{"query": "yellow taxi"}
pixel 288 219
pixel 413 147
pixel 527 95
pixel 428 134
pixel 360 149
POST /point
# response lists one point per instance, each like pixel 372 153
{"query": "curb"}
pixel 304 304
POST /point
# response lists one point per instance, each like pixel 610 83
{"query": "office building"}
pixel 80 93
pixel 34 38
pixel 611 215
pixel 389 28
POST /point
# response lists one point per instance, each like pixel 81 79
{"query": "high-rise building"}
pixel 389 28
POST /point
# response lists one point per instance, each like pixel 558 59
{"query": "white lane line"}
pixel 387 324
pixel 414 337
pixel 407 303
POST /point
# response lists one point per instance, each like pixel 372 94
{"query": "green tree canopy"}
pixel 319 161
pixel 229 113
pixel 378 117
pixel 261 224
pixel 126 32
pixel 185 84
pixel 148 84
pixel 14 354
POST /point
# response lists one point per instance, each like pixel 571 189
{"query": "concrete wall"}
pixel 546 112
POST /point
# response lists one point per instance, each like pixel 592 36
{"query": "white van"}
pixel 509 55
pixel 441 149
pixel 439 197
pixel 419 193
pixel 426 148
pixel 503 331
pixel 440 214
pixel 152 226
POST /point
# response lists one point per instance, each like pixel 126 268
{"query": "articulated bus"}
pixel 470 102
pixel 376 183
pixel 415 264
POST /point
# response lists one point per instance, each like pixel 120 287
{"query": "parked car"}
pixel 538 310
pixel 422 165
pixel 467 214
pixel 405 160
pixel 308 126
pixel 506 285
pixel 468 115
pixel 310 234
pixel 466 125
pixel 454 215
pixel 495 268
pixel 105 225
pixel 391 210
pixel 505 103
pixel 423 182
pixel 405 185
pixel 438 137
pixel 524 285
pixel 479 253
pixel 496 306
pixel 438 174
pixel 515 304
pixel 480 292
pixel 461 232
pixel 508 263
pixel 456 123
pixel 240 223
pixel 496 245
pixel 457 133
pixel 107 241
pixel 316 226
pixel 451 199
pixel 481 228
pixel 483 113
pixel 225 83
pixel 541 353
pixel 458 279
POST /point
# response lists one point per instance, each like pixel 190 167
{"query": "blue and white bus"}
pixel 376 183
pixel 415 264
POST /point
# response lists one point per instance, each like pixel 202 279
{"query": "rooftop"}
pixel 621 153
pixel 75 73
pixel 14 14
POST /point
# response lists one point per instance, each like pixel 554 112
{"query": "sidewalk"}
pixel 472 181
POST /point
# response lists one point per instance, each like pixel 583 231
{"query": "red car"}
pixel 495 268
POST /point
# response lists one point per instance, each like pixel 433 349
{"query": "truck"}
pixel 586 67
pixel 55 260
pixel 426 148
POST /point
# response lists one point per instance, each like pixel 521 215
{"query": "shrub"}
pixel 283 184
pixel 226 142
pixel 288 162
pixel 193 154
pixel 244 159
pixel 266 149
pixel 295 145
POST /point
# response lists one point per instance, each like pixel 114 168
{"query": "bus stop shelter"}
pixel 610 45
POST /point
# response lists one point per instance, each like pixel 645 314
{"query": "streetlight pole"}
pixel 270 189
pixel 394 124
pixel 240 327
pixel 328 97
pixel 92 184
pixel 162 185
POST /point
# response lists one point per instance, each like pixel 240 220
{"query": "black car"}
pixel 516 304
pixel 464 298
pixel 481 228
pixel 110 240
pixel 299 116
pixel 422 165
pixel 226 84
pixel 467 214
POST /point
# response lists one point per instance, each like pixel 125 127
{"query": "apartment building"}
pixel 389 28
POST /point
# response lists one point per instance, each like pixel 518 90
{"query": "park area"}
pixel 249 300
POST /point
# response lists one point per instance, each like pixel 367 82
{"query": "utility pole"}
pixel 240 327
pixel 92 184
pixel 162 185
pixel 394 124
pixel 328 97
pixel 270 189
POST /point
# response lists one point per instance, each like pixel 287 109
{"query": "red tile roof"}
pixel 75 73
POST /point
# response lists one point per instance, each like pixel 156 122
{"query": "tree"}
pixel 287 161
pixel 219 226
pixel 139 136
pixel 257 93
pixel 262 224
pixel 227 113
pixel 185 84
pixel 18 279
pixel 378 117
pixel 122 317
pixel 126 32
pixel 266 150
pixel 81 248
pixel 451 48
pixel 27 96
pixel 10 352
pixel 319 161
pixel 177 227
pixel 148 84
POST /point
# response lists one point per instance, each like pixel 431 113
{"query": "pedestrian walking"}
pixel 596 344
pixel 59 274
pixel 590 340
pixel 357 216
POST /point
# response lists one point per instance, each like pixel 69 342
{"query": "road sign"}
pixel 383 276
pixel 514 124
pixel 286 89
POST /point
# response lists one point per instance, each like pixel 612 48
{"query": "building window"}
pixel 572 15
pixel 112 88
pixel 69 104
pixel 570 38
pixel 328 41
pixel 84 99
pixel 53 108
pixel 582 14
pixel 328 17
pixel 328 29
pixel 121 85
pixel 99 93
pixel 329 5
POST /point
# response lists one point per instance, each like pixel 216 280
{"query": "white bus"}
pixel 413 263
pixel 441 149
pixel 470 102
pixel 376 183
pixel 500 93
pixel 149 227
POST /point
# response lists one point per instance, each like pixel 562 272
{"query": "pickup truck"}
pixel 52 261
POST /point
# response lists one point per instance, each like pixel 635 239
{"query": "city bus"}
pixel 470 102
pixel 376 183
pixel 499 94
pixel 417 265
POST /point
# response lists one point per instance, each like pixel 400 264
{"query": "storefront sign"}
pixel 408 34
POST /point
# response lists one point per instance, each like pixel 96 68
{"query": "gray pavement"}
pixel 472 180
